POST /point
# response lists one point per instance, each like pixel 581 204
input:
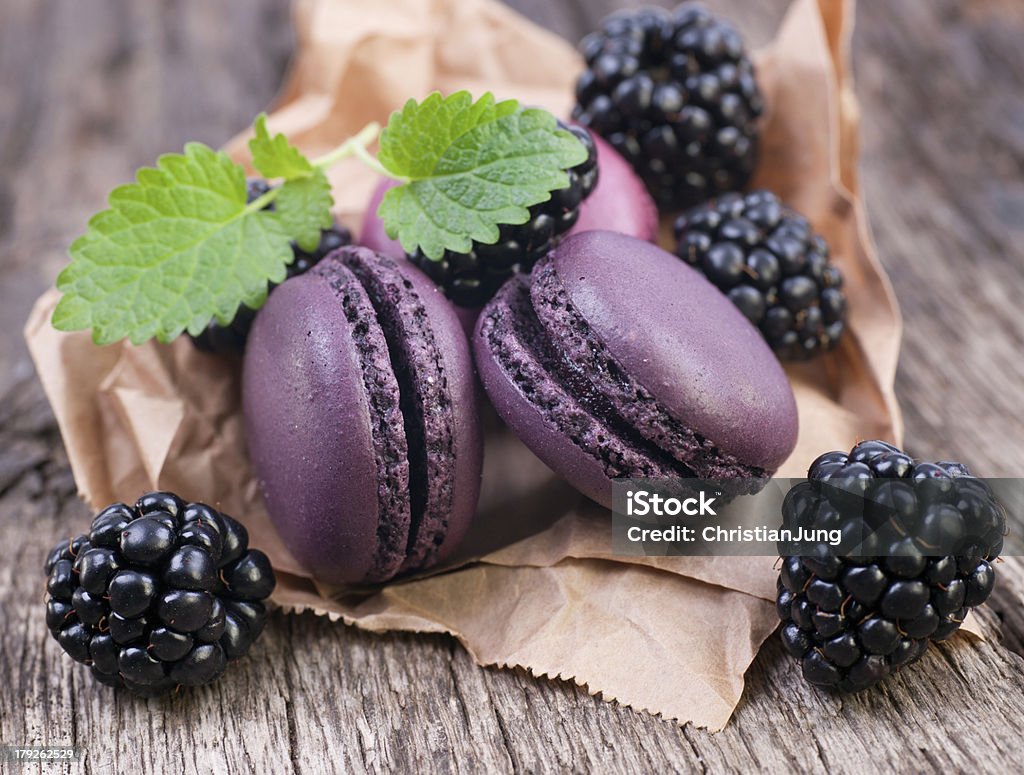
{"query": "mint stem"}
pixel 354 146
pixel 363 137
pixel 262 201
pixel 371 161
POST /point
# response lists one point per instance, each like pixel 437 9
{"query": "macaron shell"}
pixel 347 367
pixel 620 201
pixel 556 425
pixel 375 238
pixel 440 384
pixel 448 328
pixel 580 359
pixel 684 341
pixel 310 430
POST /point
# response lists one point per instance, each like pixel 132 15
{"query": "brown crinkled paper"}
pixel 536 585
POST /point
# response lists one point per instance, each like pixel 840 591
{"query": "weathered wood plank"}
pixel 92 91
pixel 100 88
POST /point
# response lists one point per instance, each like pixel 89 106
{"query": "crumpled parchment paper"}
pixel 536 584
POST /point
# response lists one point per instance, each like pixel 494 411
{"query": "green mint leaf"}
pixel 304 208
pixel 471 166
pixel 304 200
pixel 275 157
pixel 175 248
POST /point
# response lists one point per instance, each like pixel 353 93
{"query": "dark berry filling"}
pixel 425 401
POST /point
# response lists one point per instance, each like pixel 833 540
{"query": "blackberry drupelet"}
pixel 675 93
pixel 919 540
pixel 157 595
pixel 767 260
pixel 230 339
pixel 471 279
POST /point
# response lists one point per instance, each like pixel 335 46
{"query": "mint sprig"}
pixel 274 156
pixel 181 246
pixel 304 208
pixel 176 248
pixel 304 199
pixel 471 167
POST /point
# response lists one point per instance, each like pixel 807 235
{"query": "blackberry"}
pixel 157 595
pixel 675 93
pixel 230 339
pixel 471 279
pixel 918 542
pixel 775 269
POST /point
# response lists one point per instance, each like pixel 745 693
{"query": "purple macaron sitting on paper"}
pixel 362 422
pixel 616 359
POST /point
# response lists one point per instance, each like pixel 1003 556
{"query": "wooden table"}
pixel 91 90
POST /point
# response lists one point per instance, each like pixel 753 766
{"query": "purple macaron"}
pixel 362 422
pixel 617 360
pixel 620 202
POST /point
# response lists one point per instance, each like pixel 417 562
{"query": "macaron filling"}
pixel 549 353
pixel 524 352
pixel 628 404
pixel 424 400
pixel 362 419
pixel 386 420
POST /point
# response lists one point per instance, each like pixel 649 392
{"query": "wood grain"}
pixel 89 91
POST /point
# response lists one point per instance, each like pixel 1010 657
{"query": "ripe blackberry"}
pixel 157 595
pixel 470 279
pixel 675 93
pixel 230 339
pixel 775 269
pixel 918 543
